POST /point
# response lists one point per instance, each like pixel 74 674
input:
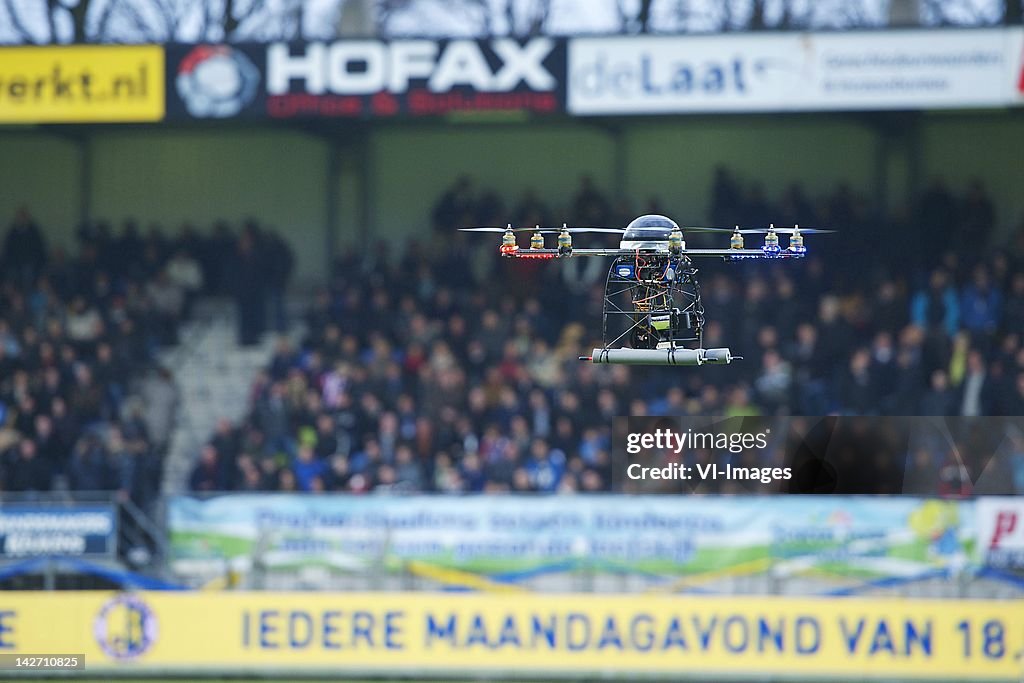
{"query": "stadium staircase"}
pixel 214 375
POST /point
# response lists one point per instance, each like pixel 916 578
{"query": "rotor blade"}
pixel 688 228
pixel 494 228
pixel 497 228
pixel 617 231
pixel 803 231
pixel 784 231
pixel 757 231
pixel 697 228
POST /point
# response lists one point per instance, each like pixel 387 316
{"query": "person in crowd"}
pixel 279 268
pixel 208 475
pixel 24 249
pixel 455 205
pixel 981 305
pixel 247 281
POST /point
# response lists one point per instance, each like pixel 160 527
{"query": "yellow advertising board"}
pixel 82 84
pixel 692 637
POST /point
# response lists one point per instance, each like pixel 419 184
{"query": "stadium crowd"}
pixel 85 405
pixel 444 368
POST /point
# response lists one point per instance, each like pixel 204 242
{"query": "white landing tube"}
pixel 718 356
pixel 687 357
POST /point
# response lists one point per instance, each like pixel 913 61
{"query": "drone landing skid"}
pixel 686 357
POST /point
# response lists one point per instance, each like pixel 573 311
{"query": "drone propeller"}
pixel 494 228
pixel 783 231
pixel 697 228
pixel 759 231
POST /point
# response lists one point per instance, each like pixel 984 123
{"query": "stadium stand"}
pixel 446 369
pixel 86 407
pixel 435 369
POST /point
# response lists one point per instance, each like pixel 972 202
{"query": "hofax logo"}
pixel 365 67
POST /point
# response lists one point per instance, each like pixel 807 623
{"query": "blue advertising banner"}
pixel 38 530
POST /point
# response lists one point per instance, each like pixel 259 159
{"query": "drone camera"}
pixel 661 322
pixel 673 321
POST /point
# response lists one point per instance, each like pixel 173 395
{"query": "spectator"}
pixel 937 307
pixel 160 399
pixel 591 206
pixel 975 394
pixel 981 305
pixel 207 475
pixel 246 282
pixel 939 399
pixel 26 470
pixel 89 468
pixel 455 206
pixel 856 386
pixel 24 250
pixel 977 219
pixel 184 273
pixel 307 467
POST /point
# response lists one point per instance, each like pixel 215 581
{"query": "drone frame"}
pixel 677 290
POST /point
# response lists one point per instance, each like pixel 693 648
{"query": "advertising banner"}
pixel 691 637
pixel 366 79
pixel 28 530
pixel 1015 50
pixel 1001 532
pixel 508 540
pixel 795 72
pixel 82 84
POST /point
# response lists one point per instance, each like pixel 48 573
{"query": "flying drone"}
pixel 652 312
